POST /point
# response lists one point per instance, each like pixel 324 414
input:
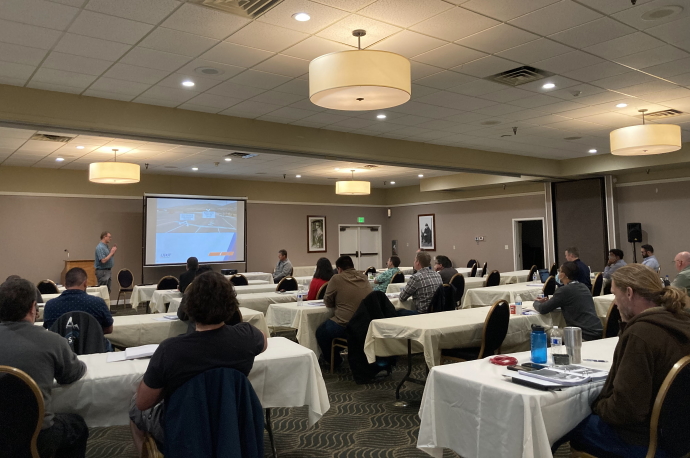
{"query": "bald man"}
pixel 682 280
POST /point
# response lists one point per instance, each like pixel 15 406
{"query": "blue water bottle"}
pixel 538 341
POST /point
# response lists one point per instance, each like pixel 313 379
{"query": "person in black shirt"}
pixel 192 271
pixel 211 301
pixel 572 254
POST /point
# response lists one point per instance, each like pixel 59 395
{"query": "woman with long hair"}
pixel 323 273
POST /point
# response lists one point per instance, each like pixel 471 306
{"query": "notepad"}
pixel 314 303
pixel 143 351
pixel 166 318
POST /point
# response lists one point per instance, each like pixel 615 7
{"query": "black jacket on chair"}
pixel 83 332
pixel 373 307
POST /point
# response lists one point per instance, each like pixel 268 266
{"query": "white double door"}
pixel 362 244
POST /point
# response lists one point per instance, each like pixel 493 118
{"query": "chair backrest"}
pixel 443 299
pixel 473 272
pixel 495 328
pixel 322 291
pixel 531 273
pixel 597 285
pixel 168 282
pixel 83 332
pixel 554 270
pixel 47 287
pixel 125 278
pixel 607 288
pixel 287 284
pixel 292 269
pixel 398 278
pixel 370 270
pixel 471 262
pixel 612 325
pixel 670 421
pixel 458 280
pixel 239 280
pixel 484 269
pixel 22 413
pixel 549 286
pixel 494 278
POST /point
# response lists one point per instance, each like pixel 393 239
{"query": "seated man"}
pixel 682 280
pixel 75 299
pixel 39 297
pixel 421 286
pixel 648 258
pixel 572 254
pixel 656 334
pixel 345 291
pixel 283 268
pixel 614 263
pixel 576 303
pixel 44 356
pixel 211 301
pixel 187 277
pixel 383 279
pixel 444 267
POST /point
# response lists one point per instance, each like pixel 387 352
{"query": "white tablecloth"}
pixel 482 297
pixel 285 375
pixel 470 283
pixel 262 276
pixel 161 297
pixel 254 301
pixel 303 271
pixel 517 276
pixel 141 294
pixel 304 318
pixel 135 330
pixel 252 288
pixel 405 270
pixel 475 411
pixel 101 291
pixel 602 304
pixel 432 332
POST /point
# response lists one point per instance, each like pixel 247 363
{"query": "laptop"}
pixel 544 275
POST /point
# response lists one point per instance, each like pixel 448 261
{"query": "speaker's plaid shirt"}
pixel 421 287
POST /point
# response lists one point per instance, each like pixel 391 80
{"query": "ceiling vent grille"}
pixel 241 155
pixel 370 166
pixel 50 138
pixel 519 76
pixel 663 114
pixel 245 8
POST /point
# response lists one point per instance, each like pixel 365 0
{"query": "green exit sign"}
pixel 360 219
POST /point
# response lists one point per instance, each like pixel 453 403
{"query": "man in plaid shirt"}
pixel 422 285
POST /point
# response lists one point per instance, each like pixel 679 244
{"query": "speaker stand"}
pixel 634 253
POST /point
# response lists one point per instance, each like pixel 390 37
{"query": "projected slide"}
pixel 211 230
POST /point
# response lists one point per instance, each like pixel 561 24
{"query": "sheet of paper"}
pixel 115 357
pixel 142 351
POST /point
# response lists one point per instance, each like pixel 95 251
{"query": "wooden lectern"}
pixel 87 265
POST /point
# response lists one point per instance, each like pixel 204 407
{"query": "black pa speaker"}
pixel 228 271
pixel 634 232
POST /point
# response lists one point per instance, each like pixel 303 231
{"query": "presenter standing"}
pixel 104 260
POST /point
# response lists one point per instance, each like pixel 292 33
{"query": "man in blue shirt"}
pixel 104 260
pixel 572 254
pixel 615 262
pixel 648 258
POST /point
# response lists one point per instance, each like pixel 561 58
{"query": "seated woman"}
pixel 575 301
pixel 323 273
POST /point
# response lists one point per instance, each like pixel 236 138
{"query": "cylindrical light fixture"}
pixel 114 172
pixel 645 139
pixel 352 187
pixel 359 80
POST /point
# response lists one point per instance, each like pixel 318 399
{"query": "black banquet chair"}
pixel 168 282
pixel 239 280
pixel 484 269
pixel 554 270
pixel 531 273
pixel 322 292
pixel 398 278
pixel 82 331
pixel 493 335
pixel 458 280
pixel 473 272
pixel 21 415
pixel 287 284
pixel 370 270
pixel 597 285
pixel 494 279
pixel 47 287
pixel 471 262
pixel 125 284
pixel 612 325
pixel 443 299
pixel 549 286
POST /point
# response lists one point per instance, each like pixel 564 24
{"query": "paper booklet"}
pixel 570 375
pixel 143 351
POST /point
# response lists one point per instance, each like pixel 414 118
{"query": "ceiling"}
pixel 17 149
pixel 602 53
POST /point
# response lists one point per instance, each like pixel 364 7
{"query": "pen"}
pixel 596 360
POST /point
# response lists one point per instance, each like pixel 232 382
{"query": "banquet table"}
pixel 135 330
pixel 256 276
pixel 101 291
pixel 305 318
pixel 161 297
pixel 515 276
pixel 470 283
pixel 255 288
pixel 285 375
pixel 405 270
pixel 473 409
pixel 254 301
pixel 144 293
pixel 602 304
pixel 482 297
pixel 303 271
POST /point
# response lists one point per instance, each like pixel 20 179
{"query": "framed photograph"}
pixel 427 232
pixel 394 250
pixel 316 234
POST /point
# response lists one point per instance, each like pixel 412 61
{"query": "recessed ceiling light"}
pixel 301 17
pixel 188 83
pixel 195 168
pixel 227 159
pixel 298 176
pixel 59 159
pixel 549 86
pixel 592 150
pixel 621 105
pixel 337 168
pixel 381 116
pixel 663 12
pixel 392 182
pixel 80 147
pixel 420 175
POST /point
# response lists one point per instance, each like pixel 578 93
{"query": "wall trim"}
pixel 51 194
pixel 465 199
pixel 660 181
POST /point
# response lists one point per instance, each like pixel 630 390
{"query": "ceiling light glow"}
pixel 336 169
pixel 621 105
pixel 195 168
pixel 188 83
pixel 392 182
pixel 549 86
pixel 593 150
pixel 80 147
pixel 298 176
pixel 301 17
pixel 59 159
pixel 420 175
pixel 381 116
pixel 227 159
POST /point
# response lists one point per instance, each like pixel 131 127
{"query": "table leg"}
pixel 407 377
pixel 269 428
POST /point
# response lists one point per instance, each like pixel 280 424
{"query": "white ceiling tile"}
pixel 321 15
pixel 206 22
pixel 151 58
pixel 292 114
pixel 408 44
pixel 450 55
pixel 284 65
pixel 412 120
pixel 347 5
pixel 586 111
pixel 306 104
pixel 63 78
pixel 201 83
pixel 75 3
pixel 683 79
pixel 455 101
pixel 623 46
pixel 38 13
pixel 445 25
pixel 215 101
pixel 352 123
pixel 444 80
pixel 505 10
pixel 669 69
pixel 574 92
pixel 487 66
pixel 478 87
pixel 597 71
pixel 28 35
pixel 18 54
pixel 10 143
pixel 203 108
pixel 555 18
pixel 178 95
pixel 421 91
pixel 149 11
pixel 107 95
pixel 419 70
pixel 226 71
pixel 538 100
pixel 611 6
pixel 667 95
pixel 341 31
pixel 652 57
pixel 91 47
pixel 136 74
pixel 177 42
pixel 249 109
pixel 232 54
pixel 404 13
pixel 11 132
pixel 634 16
pixel 313 47
pixel 78 64
pixel 296 86
pixel 535 51
pixel 634 108
pixel 507 95
pixel 561 82
pixel 498 38
pixel 153 101
pixel 624 80
pixel 234 90
pixel 111 28
pixel 502 109
pixel 277 98
pixel 559 107
pixel 266 36
pixel 611 120
pixel 258 79
pixel 325 118
pixel 46 86
pixel 425 109
pixel 568 61
pixel 593 32
pixel 639 90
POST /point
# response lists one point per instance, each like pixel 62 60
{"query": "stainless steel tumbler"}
pixel 573 343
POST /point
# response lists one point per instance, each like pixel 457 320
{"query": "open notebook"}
pixel 143 351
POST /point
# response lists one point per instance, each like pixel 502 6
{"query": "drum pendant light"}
pixel 114 172
pixel 352 187
pixel 645 139
pixel 359 80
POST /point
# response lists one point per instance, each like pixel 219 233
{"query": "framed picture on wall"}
pixel 427 232
pixel 316 234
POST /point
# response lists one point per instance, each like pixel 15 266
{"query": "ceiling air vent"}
pixel 245 8
pixel 519 76
pixel 50 138
pixel 663 114
pixel 241 155
pixel 369 166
